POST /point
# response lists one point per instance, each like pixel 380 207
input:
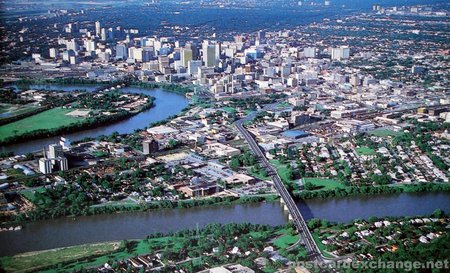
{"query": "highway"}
pixel 297 218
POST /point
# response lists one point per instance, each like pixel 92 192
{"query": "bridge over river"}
pixel 295 215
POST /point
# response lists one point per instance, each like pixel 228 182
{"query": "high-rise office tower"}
pixel 97 29
pixel 103 34
pixel 89 45
pixel 218 52
pixel 147 54
pixel 193 66
pixel 261 36
pixel 121 52
pixel 72 44
pixel 209 55
pixel 150 146
pixel 185 56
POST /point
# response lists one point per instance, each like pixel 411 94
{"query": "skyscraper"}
pixel 103 34
pixel 121 51
pixel 193 66
pixel 97 29
pixel 261 36
pixel 209 55
pixel 185 56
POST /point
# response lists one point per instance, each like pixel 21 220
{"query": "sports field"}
pixel 385 133
pixel 365 151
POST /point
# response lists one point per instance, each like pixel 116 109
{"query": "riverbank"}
pixel 86 124
pixel 165 250
pixel 373 190
pixel 64 232
pixel 166 104
pixel 38 215
pixel 68 231
pixel 67 125
pixel 376 237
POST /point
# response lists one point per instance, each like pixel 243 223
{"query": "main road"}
pixel 314 253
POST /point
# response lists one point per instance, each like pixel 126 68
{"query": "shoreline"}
pixel 202 203
pixel 160 205
pixel 92 123
pixel 87 124
pixel 352 191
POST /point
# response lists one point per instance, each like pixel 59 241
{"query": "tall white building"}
pixel 97 28
pixel 53 52
pixel 340 53
pixel 45 165
pixel 309 52
pixel 89 45
pixel 55 150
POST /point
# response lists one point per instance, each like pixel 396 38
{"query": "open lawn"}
pixel 365 151
pixel 258 175
pixel 286 239
pixel 385 133
pixel 229 109
pixel 141 247
pixel 34 260
pixel 324 184
pixel 282 170
pixel 30 193
pixel 50 119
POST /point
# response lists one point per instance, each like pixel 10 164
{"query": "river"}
pixel 132 225
pixel 99 228
pixel 166 104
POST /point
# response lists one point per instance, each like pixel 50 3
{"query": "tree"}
pixel 235 164
pixel 309 186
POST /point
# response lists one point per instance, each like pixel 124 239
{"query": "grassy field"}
pixel 34 260
pixel 229 109
pixel 50 119
pixel 258 175
pixel 286 239
pixel 385 133
pixel 365 151
pixel 324 184
pixel 142 247
pixel 282 170
pixel 30 193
